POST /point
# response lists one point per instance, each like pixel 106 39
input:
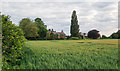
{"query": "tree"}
pixel 74 30
pixel 118 32
pixel 93 34
pixel 42 27
pixel 49 29
pixel 12 42
pixel 104 37
pixel 114 36
pixel 29 28
pixel 53 36
pixel 48 35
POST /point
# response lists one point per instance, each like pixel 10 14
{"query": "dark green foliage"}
pixel 74 38
pixel 74 29
pixel 68 37
pixel 33 30
pixel 115 35
pixel 29 28
pixel 93 34
pixel 104 37
pixel 80 37
pixel 12 42
pixel 42 27
pixel 49 29
pixel 118 32
pixel 48 36
pixel 53 36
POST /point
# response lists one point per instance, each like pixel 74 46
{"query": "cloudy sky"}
pixel 102 16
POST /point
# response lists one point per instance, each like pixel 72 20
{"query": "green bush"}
pixel 12 42
pixel 104 37
pixel 114 36
pixel 53 36
pixel 74 38
pixel 80 37
pixel 68 37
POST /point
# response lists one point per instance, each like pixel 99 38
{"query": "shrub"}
pixel 80 37
pixel 53 36
pixel 118 32
pixel 74 38
pixel 104 37
pixel 68 37
pixel 93 34
pixel 114 36
pixel 48 35
pixel 13 41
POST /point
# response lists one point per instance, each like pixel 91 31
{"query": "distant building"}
pixel 58 34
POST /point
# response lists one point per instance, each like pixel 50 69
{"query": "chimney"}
pixel 62 31
pixel 84 34
pixel 80 33
pixel 52 30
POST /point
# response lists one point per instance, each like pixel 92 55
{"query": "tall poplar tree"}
pixel 74 28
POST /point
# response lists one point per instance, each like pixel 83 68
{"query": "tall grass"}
pixel 70 54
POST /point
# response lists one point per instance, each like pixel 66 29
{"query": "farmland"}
pixel 71 54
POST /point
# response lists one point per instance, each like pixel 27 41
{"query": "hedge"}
pixel 12 42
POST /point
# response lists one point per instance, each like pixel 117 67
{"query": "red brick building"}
pixel 58 34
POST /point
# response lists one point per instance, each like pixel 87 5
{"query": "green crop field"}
pixel 70 54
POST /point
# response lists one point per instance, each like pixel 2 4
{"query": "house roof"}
pixel 54 32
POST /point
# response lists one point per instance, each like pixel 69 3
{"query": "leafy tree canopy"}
pixel 115 35
pixel 42 27
pixel 93 34
pixel 29 28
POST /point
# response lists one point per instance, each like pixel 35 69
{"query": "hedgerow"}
pixel 12 42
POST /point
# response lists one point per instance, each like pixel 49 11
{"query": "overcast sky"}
pixel 59 0
pixel 102 16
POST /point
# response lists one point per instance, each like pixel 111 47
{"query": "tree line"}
pixel 115 35
pixel 92 34
pixel 33 29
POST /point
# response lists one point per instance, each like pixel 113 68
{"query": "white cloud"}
pixel 59 0
pixel 99 15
